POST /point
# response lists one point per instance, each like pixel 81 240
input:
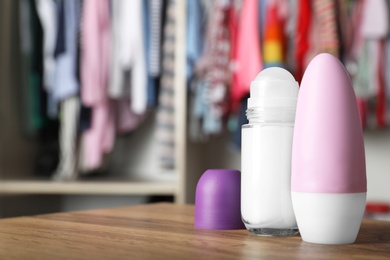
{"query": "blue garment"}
pixel 200 104
pixel 60 40
pixel 262 17
pixel 194 34
pixel 66 83
pixel 274 64
pixel 211 123
pixel 152 82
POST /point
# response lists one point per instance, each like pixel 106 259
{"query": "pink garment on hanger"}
pixel 126 119
pixel 99 139
pixel 247 60
pixel 95 53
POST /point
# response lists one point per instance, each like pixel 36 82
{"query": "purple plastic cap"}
pixel 217 200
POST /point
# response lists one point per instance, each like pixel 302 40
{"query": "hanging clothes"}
pixel 360 79
pixel 60 46
pixel 195 39
pixel 198 108
pixel 262 17
pixel 355 54
pixel 34 96
pixel 47 11
pixel 274 38
pixel 31 87
pixel 165 115
pixel 291 24
pixel 125 119
pixel 155 20
pixel 214 67
pixel 302 44
pixel 194 35
pixel 323 32
pixel 66 82
pixel 128 74
pixel 248 58
pixel 324 12
pixel 381 118
pixel 346 30
pixel 95 54
pixel 374 31
pixel 66 89
pixel 67 168
pixel 246 27
pixel 387 66
pixel 60 24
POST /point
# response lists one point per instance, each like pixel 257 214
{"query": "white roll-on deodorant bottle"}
pixel 266 207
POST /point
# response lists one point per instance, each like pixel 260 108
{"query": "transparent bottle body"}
pixel 266 206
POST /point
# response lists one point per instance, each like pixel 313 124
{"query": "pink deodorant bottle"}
pixel 328 175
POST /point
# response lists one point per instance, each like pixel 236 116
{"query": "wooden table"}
pixel 165 231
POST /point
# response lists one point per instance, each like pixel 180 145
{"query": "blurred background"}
pixel 114 102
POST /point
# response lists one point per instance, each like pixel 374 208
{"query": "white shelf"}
pixel 87 187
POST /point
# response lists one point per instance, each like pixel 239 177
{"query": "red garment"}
pixel 247 52
pixel 273 44
pixel 381 95
pixel 302 36
pixel 362 107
